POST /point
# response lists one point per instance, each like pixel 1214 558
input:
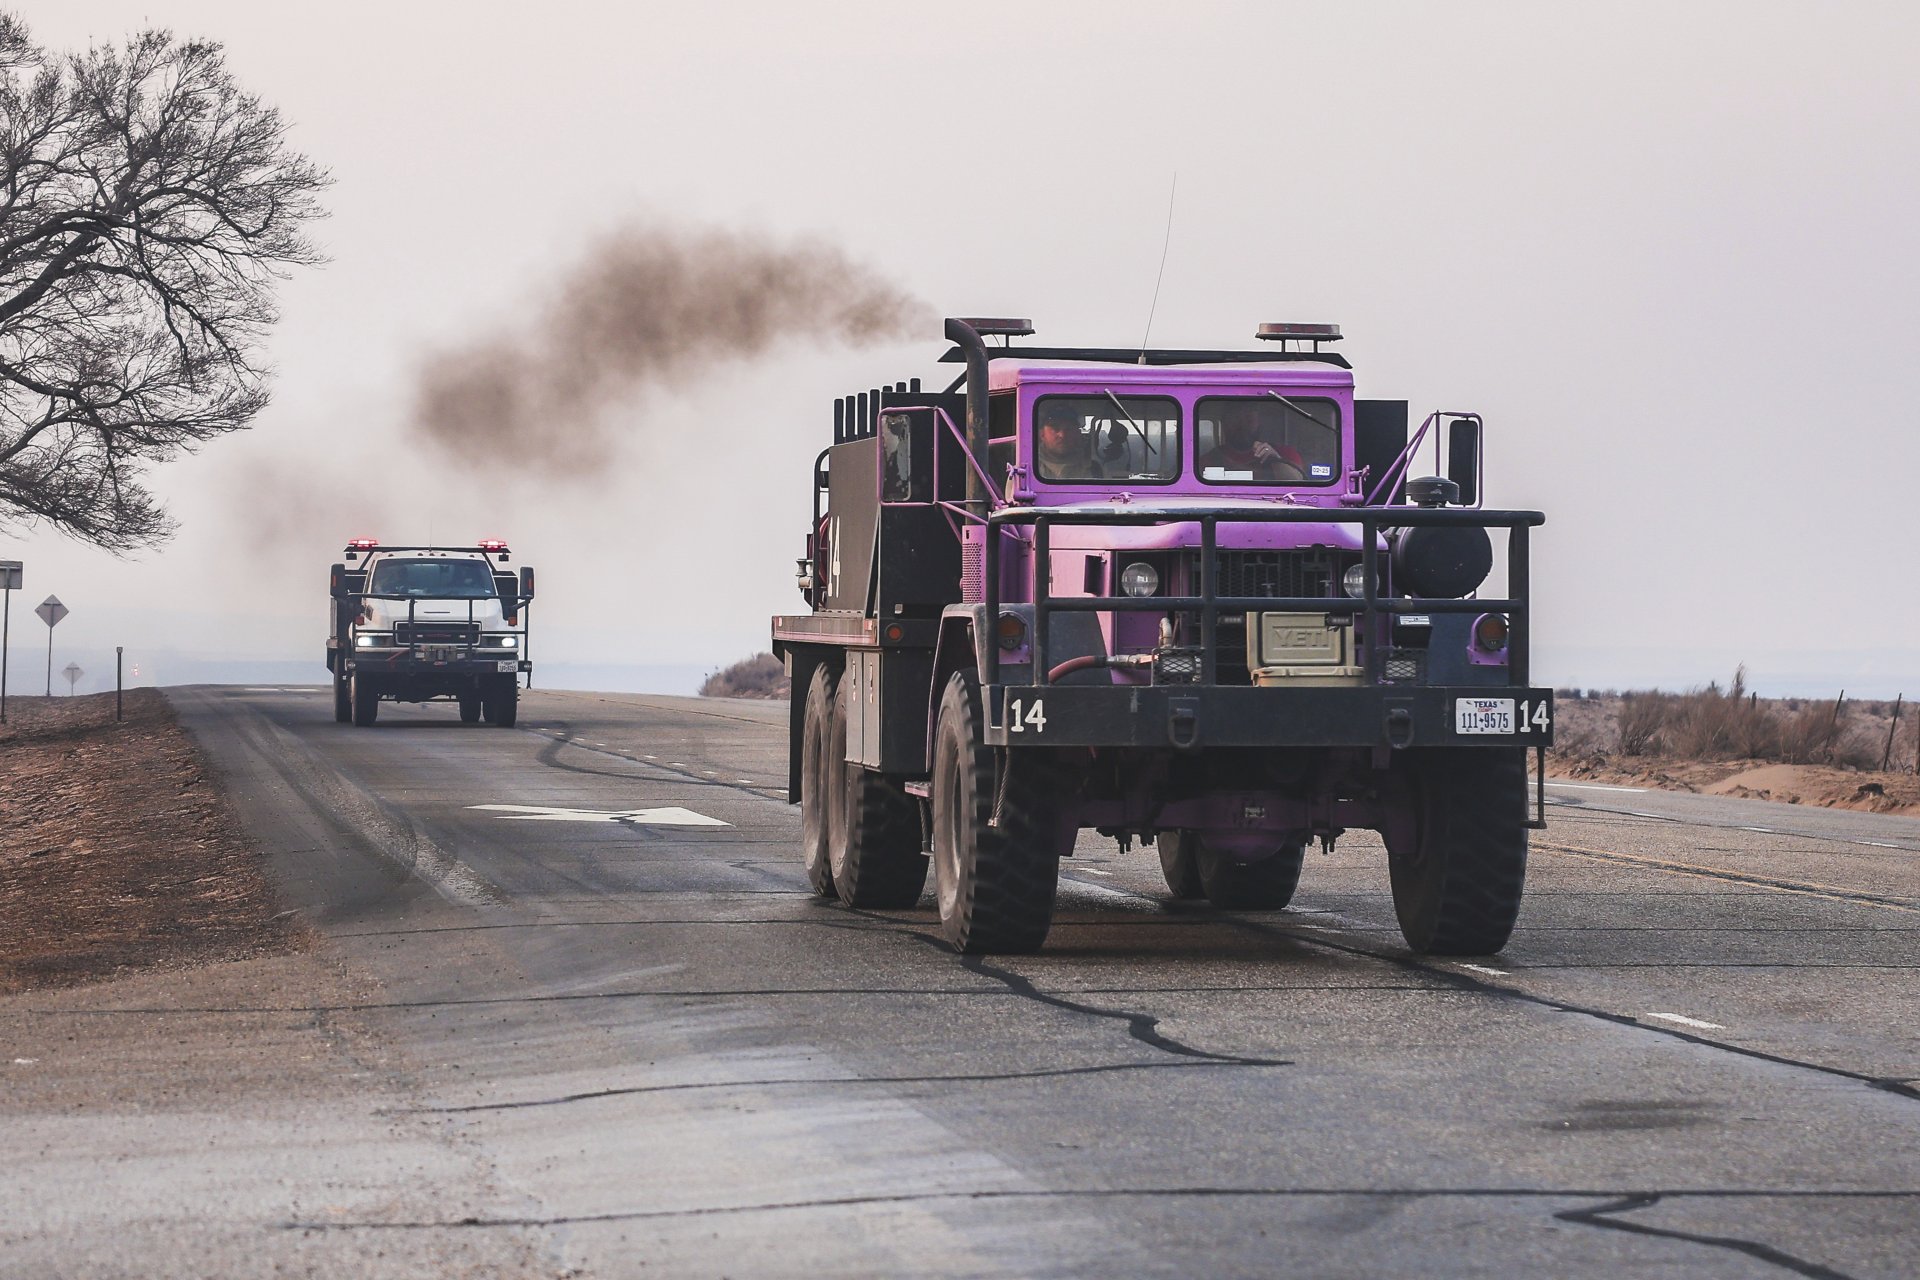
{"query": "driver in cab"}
pixel 1241 451
pixel 1066 450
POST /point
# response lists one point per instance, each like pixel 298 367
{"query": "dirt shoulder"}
pixel 118 852
pixel 1829 788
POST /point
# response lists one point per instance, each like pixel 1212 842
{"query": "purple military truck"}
pixel 1195 599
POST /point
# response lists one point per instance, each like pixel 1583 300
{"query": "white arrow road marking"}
pixel 668 817
pixel 1685 1021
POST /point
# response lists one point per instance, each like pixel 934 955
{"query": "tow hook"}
pixel 1399 728
pixel 1183 723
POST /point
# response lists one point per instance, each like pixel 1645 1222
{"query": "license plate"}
pixel 507 664
pixel 1483 715
pixel 437 652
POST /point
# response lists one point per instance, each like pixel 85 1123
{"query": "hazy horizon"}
pixel 1662 249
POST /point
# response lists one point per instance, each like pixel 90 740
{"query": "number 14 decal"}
pixel 1540 718
pixel 1035 717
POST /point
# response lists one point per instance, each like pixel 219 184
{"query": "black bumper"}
pixel 1191 717
pixel 401 664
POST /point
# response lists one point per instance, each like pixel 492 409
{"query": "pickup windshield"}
pixel 435 579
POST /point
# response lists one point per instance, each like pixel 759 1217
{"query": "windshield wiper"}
pixel 1327 426
pixel 1138 429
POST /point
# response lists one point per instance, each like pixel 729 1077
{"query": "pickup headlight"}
pixel 372 640
pixel 501 642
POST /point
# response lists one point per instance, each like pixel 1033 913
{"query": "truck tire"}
pixel 470 708
pixel 1179 865
pixel 1459 864
pixel 366 703
pixel 873 834
pixel 994 884
pixel 816 779
pixel 1266 885
pixel 342 701
pixel 501 703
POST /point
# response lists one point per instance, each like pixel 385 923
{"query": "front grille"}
pixel 1309 572
pixel 410 633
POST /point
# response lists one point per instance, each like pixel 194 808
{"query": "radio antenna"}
pixel 1161 274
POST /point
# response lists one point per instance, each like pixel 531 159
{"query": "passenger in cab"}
pixel 1242 450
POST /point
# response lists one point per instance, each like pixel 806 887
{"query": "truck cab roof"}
pixel 1007 374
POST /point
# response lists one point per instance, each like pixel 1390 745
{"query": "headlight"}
pixel 1139 579
pixel 365 641
pixel 504 642
pixel 1354 583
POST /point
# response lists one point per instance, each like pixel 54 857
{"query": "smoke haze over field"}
pixel 645 308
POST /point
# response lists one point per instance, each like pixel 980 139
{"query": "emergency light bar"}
pixel 991 326
pixel 362 544
pixel 1300 332
pixel 491 544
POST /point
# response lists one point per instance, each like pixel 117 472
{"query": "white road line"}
pixel 1481 968
pixel 650 757
pixel 1765 831
pixel 1594 786
pixel 674 764
pixel 1092 871
pixel 746 782
pixel 672 816
pixel 1685 1021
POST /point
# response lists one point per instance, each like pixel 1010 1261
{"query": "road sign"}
pixel 51 611
pixel 9 583
pixel 72 671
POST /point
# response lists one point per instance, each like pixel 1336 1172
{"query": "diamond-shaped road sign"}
pixel 51 611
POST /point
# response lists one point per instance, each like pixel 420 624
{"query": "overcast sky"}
pixel 1667 250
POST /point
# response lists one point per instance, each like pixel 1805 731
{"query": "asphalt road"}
pixel 626 1042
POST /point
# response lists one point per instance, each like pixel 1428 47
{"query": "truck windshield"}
pixel 1107 438
pixel 1267 440
pixel 438 579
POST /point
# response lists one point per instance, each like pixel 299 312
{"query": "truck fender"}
pixel 801 661
pixel 964 635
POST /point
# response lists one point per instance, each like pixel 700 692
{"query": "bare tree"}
pixel 147 208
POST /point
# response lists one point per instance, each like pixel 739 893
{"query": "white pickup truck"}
pixel 415 624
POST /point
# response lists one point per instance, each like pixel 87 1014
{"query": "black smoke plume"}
pixel 645 308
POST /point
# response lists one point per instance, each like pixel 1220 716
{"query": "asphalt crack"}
pixel 1603 1216
pixel 993 1077
pixel 1143 1027
pixel 1116 1193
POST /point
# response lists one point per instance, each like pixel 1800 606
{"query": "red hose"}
pixel 1072 665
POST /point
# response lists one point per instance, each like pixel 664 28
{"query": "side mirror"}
pixel 337 582
pixel 526 582
pixel 1463 458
